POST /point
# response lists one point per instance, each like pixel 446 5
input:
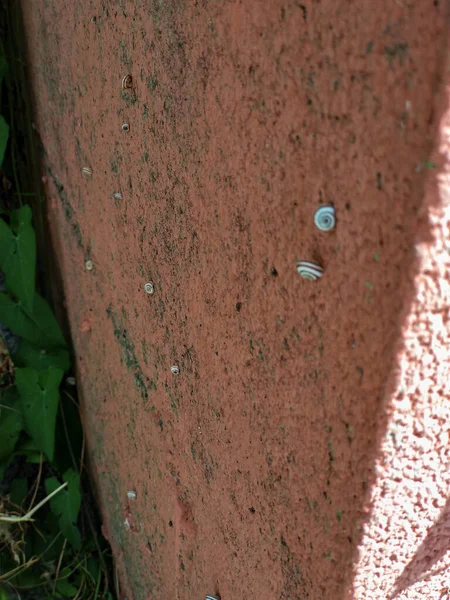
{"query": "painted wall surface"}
pixel 302 449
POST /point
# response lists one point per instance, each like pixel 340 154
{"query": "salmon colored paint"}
pixel 256 466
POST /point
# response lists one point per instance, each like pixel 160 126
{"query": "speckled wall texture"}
pixel 302 449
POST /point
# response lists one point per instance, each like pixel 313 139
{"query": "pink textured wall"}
pixel 405 551
pixel 302 450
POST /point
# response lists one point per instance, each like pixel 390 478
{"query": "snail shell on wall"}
pixel 127 82
pixel 325 218
pixel 309 270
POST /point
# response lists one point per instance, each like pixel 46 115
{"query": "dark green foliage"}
pixel 61 554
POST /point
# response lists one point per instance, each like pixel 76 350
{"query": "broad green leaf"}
pixel 4 135
pixel 40 359
pixel 18 255
pixel 29 450
pixel 66 589
pixel 66 505
pixel 47 325
pixel 9 397
pixel 39 395
pixel 13 316
pixel 64 573
pixel 40 326
pixel 11 422
pixel 20 217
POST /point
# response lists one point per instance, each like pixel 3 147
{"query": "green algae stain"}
pixel 128 353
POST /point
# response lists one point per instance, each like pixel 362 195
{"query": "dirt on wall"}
pixel 252 465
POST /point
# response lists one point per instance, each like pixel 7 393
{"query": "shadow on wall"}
pixel 432 550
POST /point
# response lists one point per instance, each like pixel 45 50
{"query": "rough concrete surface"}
pixel 302 450
pixel 405 548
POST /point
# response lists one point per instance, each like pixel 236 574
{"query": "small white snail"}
pixel 309 270
pixel 127 82
pixel 149 287
pixel 126 127
pixel 325 218
pixel 175 370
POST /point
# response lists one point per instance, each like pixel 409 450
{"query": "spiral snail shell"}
pixel 127 82
pixel 149 288
pixel 325 218
pixel 309 270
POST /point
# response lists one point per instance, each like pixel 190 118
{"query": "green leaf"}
pixel 39 395
pixel 11 422
pixel 66 589
pixel 46 324
pixel 4 135
pixel 29 450
pixel 14 317
pixel 40 326
pixel 4 594
pixel 40 359
pixel 18 255
pixel 66 505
